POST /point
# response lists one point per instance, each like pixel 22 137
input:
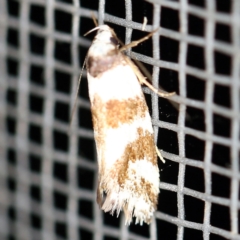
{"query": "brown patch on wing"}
pixel 142 148
pixel 99 132
pixel 125 111
pixel 145 187
pixel 98 120
pixel 113 113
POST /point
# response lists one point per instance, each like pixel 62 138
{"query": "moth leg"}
pixel 135 43
pixel 143 80
pixel 140 77
pixel 145 20
pixel 161 93
pixel 160 155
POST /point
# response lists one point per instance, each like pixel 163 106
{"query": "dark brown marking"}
pixel 114 112
pixel 146 187
pixel 114 41
pixel 98 65
pixel 142 148
pixel 119 112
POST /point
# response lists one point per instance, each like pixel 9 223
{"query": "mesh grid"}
pixel 48 176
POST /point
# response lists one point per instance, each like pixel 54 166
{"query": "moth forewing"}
pixel 127 157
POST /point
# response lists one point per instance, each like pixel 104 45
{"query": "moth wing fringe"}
pixel 118 199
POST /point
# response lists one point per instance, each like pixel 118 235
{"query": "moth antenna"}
pixel 92 30
pixel 94 20
pixel 76 96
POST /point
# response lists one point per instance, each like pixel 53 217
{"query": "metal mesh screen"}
pixel 48 175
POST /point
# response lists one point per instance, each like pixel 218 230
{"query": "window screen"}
pixel 48 170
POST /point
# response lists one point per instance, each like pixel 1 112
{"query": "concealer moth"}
pixel 128 177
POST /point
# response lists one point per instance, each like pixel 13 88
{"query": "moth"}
pixel 128 177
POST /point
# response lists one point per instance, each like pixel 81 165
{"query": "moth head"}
pixel 105 34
